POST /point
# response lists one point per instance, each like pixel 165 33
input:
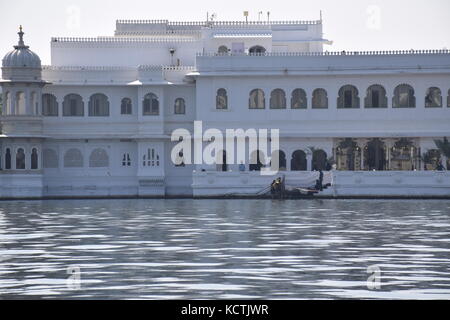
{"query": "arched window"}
pixel 73 158
pixel 34 159
pixel 150 105
pixel 404 97
pixel 221 99
pixel 319 160
pixel 8 159
pixel 73 106
pixel 49 105
pixel 98 105
pixel 257 50
pixel 126 106
pixel 256 100
pixel 223 50
pixel 151 158
pixel 98 159
pixel 298 99
pixel 180 106
pixel 320 99
pixel 50 159
pixel 257 158
pixel 433 98
pixel 375 97
pixel 281 160
pixel 20 159
pixel 348 97
pixel 277 99
pixel 20 103
pixel 298 161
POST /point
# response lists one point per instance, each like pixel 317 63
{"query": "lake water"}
pixel 225 249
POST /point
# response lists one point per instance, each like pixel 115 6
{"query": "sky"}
pixel 352 25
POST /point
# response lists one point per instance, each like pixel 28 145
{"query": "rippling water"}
pixel 224 249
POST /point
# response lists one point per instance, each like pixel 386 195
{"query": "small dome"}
pixel 21 56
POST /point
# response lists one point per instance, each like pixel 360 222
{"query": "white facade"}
pixel 98 121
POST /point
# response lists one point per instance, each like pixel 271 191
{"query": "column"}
pixel 12 110
pixel 309 162
pixel 362 158
pixel 288 160
pixel 28 102
pixel 388 154
pixel 85 104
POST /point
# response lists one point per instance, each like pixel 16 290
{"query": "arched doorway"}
pixel 404 155
pixel 282 163
pixel 348 155
pixel 319 160
pixel 298 161
pixel 375 155
pixel 256 160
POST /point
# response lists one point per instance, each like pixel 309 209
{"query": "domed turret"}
pixel 21 63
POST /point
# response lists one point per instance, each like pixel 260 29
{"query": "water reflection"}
pixel 225 249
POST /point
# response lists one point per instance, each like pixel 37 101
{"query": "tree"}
pixel 443 146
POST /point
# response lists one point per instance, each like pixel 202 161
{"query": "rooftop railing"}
pixel 218 23
pixel 119 40
pixel 115 68
pixel 188 32
pixel 327 53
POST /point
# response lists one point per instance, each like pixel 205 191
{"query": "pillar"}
pixel 309 161
pixel 362 158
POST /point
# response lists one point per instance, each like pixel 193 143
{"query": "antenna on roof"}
pixel 259 16
pixel 246 16
pixel 320 15
pixel 268 16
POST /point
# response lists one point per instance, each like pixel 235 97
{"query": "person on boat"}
pixel 276 186
pixel 440 167
pixel 319 183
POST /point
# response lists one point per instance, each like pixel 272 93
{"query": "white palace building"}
pixel 98 121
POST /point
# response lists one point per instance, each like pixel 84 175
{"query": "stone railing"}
pixel 159 33
pixel 218 23
pixel 113 68
pixel 120 40
pixel 329 53
pixel 85 68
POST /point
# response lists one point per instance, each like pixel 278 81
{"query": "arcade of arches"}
pixel 368 154
pixel 377 154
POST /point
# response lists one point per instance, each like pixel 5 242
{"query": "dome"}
pixel 21 56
